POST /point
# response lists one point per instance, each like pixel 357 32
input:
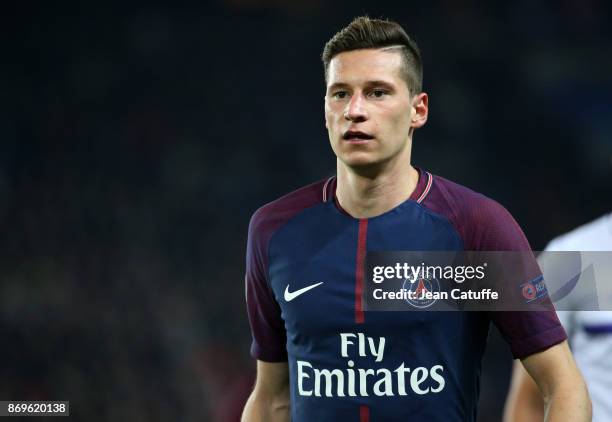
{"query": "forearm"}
pixel 570 402
pixel 524 402
pixel 259 408
pixel 562 387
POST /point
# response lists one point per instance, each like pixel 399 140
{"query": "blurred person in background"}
pixel 315 347
pixel 590 337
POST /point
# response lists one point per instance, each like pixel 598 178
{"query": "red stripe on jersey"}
pixel 361 251
pixel 364 413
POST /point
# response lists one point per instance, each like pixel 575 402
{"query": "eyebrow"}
pixel 368 84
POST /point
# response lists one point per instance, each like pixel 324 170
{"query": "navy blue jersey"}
pixel 304 283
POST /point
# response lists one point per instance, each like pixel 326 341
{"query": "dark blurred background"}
pixel 136 141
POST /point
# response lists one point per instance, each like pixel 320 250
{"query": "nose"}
pixel 355 109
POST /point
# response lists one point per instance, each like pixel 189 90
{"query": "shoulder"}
pixel 460 202
pixel 272 215
pixel 585 237
pixel 482 222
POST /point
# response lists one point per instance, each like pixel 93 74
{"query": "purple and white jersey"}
pixel 304 280
pixel 590 332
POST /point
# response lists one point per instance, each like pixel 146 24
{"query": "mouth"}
pixel 355 136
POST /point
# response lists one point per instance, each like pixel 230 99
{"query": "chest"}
pixel 314 266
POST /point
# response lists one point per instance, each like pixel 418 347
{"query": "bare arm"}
pixel 269 400
pixel 562 391
pixel 524 402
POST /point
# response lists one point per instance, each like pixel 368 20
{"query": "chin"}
pixel 361 160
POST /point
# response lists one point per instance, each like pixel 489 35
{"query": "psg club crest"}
pixel 423 292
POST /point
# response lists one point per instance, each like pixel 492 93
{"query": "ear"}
pixel 420 110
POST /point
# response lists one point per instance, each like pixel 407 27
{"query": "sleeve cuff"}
pixel 538 342
pixel 268 355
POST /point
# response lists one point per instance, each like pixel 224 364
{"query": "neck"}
pixel 366 194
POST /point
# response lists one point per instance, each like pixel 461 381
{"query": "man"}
pixel 590 335
pixel 320 357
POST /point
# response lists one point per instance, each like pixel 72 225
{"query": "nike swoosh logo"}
pixel 289 296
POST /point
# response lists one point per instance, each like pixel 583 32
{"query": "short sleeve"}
pixel 526 332
pixel 267 326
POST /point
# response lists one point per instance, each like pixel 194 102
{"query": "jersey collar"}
pixel 419 194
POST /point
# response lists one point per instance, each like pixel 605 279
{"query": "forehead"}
pixel 359 66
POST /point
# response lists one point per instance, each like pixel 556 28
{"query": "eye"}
pixel 339 95
pixel 378 93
